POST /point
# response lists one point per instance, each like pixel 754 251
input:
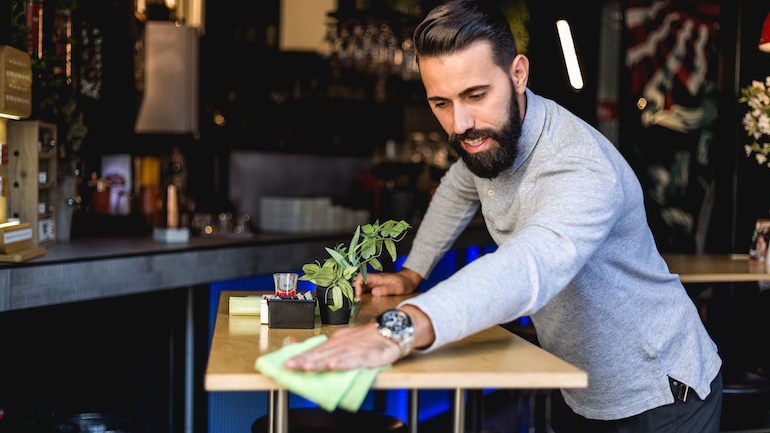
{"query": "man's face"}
pixel 474 101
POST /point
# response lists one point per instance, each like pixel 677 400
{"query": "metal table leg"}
pixel 459 411
pixel 278 411
pixel 414 410
pixel 189 364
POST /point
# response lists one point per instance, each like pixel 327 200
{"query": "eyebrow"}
pixel 463 93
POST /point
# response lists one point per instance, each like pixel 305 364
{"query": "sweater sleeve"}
pixel 453 205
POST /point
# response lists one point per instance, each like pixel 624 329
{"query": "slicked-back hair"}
pixel 455 25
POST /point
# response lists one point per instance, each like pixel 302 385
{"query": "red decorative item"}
pixel 764 40
pixel 35 21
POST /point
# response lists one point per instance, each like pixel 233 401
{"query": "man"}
pixel 574 249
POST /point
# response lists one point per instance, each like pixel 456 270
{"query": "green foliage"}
pixel 517 13
pixel 339 271
pixel 54 95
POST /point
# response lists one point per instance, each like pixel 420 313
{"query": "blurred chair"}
pixel 745 402
pixel 314 420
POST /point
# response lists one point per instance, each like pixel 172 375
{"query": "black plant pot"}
pixel 329 317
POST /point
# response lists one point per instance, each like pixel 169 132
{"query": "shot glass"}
pixel 285 283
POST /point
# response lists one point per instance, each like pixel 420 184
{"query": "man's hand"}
pixel 362 346
pixel 403 282
pixel 348 348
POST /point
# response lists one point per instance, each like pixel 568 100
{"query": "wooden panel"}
pixel 25 163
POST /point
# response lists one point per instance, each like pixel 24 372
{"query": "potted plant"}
pixel 335 277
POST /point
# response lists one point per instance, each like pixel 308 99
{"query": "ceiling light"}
pixel 570 57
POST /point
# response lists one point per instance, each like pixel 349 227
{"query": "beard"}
pixel 489 163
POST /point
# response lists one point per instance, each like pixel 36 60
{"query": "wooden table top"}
pixel 715 268
pixel 494 358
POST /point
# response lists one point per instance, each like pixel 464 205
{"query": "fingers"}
pixel 387 283
pixel 358 285
pixel 374 283
pixel 385 290
pixel 346 349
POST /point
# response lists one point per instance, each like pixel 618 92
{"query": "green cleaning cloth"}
pixel 329 389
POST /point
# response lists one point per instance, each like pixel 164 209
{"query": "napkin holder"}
pixel 290 312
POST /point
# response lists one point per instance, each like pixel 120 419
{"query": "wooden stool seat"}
pixel 313 420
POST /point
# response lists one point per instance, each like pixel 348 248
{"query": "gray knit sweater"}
pixel 576 254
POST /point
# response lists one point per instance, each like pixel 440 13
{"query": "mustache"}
pixel 472 134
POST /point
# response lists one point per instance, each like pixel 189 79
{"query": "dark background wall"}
pixel 297 103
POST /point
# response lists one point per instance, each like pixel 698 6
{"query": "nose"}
pixel 462 119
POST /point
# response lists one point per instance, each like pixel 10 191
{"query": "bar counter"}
pixel 93 268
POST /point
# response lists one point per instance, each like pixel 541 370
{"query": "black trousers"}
pixel 691 416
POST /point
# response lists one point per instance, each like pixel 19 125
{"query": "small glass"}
pixel 285 283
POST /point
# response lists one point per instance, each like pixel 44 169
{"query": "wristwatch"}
pixel 395 325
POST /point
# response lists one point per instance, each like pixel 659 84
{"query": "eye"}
pixel 476 96
pixel 440 104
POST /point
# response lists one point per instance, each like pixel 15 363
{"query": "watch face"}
pixel 395 320
pixel 395 325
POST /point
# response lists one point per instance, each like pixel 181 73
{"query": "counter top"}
pixel 85 249
pixel 494 358
pixel 86 269
pixel 715 268
pixel 93 268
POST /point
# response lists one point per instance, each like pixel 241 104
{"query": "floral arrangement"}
pixel 756 122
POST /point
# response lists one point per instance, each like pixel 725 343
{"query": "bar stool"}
pixel 745 401
pixel 314 420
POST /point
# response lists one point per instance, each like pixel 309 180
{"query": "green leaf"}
pixel 391 246
pixel 368 229
pixel 376 264
pixel 365 254
pixel 349 272
pixel 337 296
pixel 363 270
pixel 326 274
pixel 347 290
pixel 338 258
pixel 354 241
pixel 390 232
pixel 310 268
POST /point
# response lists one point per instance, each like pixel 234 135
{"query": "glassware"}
pixel 285 283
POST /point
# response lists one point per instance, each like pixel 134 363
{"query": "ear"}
pixel 520 73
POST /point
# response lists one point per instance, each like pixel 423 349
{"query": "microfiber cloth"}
pixel 329 389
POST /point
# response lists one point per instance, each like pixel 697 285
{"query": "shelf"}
pixel 28 161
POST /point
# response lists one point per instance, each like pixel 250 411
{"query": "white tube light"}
pixel 10 116
pixel 570 57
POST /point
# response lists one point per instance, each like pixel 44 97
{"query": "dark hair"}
pixel 455 25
